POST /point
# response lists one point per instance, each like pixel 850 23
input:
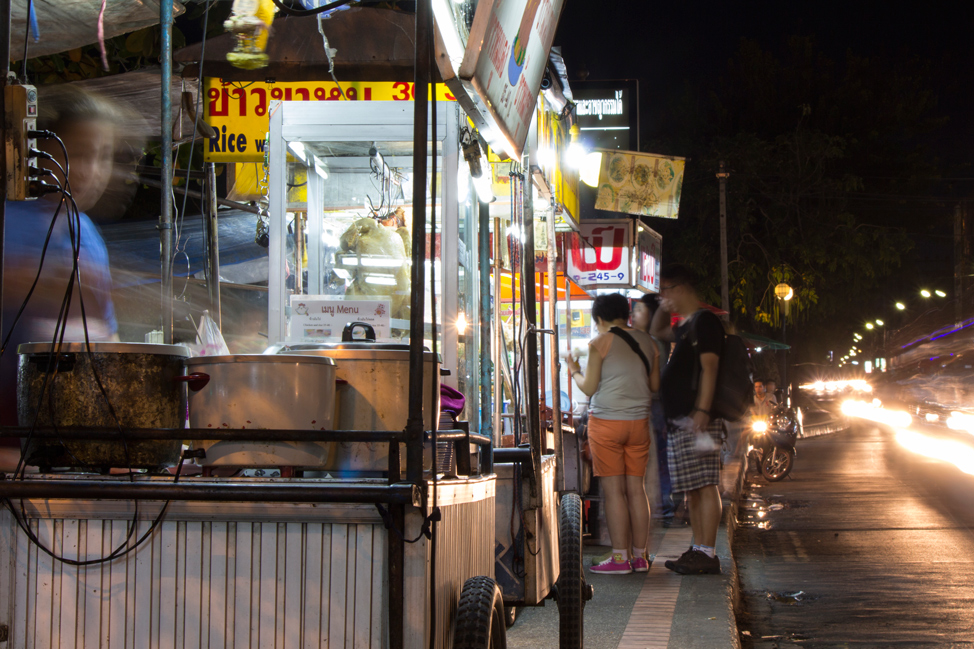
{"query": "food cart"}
pixel 320 534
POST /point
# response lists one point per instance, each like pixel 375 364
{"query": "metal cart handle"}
pixel 195 381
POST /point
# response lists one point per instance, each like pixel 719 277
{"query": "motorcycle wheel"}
pixel 776 464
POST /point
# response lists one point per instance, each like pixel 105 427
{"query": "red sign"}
pixel 601 255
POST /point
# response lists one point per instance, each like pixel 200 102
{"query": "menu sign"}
pixel 321 318
pixel 506 70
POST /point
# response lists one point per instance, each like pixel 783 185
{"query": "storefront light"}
pixel 321 167
pixel 461 323
pixel 448 31
pixel 588 172
pixel 297 148
pixel 484 184
pixel 380 280
pixel 575 156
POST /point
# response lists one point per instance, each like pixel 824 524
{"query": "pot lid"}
pixel 260 358
pixel 106 348
pixel 351 351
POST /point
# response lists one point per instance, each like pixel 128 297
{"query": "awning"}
pixel 67 24
pixel 755 341
pixel 541 289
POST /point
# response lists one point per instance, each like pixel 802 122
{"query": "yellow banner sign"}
pixel 238 111
pixel 637 183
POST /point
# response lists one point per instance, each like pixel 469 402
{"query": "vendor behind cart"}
pixel 86 124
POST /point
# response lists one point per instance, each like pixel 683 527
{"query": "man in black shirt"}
pixel 687 390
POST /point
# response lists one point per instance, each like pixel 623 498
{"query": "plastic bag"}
pixel 209 339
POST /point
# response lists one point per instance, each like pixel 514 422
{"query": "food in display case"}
pixel 376 258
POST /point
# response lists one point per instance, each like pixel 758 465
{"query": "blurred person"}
pixel 86 124
pixel 642 317
pixel 687 390
pixel 620 385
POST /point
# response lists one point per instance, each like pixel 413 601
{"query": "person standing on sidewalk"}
pixel 687 390
pixel 642 317
pixel 621 375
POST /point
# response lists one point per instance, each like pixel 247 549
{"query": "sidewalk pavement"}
pixel 660 609
pixel 690 612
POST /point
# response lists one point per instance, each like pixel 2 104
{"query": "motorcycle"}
pixel 771 443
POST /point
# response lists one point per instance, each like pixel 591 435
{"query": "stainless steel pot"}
pixel 260 391
pixel 375 395
pixel 142 388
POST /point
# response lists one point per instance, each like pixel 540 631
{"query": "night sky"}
pixel 674 47
pixel 669 45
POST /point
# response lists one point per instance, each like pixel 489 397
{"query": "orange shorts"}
pixel 619 447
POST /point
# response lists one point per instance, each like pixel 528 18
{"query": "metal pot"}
pixel 375 395
pixel 140 381
pixel 260 391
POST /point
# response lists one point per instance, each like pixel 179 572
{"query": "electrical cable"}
pixel 23 66
pixel 74 224
pixel 289 11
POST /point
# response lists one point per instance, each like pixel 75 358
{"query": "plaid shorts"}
pixel 689 468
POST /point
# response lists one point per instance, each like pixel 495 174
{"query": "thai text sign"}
pixel 238 113
pixel 506 70
pixel 649 257
pixel 321 318
pixel 637 183
pixel 600 255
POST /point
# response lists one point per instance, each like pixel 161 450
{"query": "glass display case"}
pixel 340 208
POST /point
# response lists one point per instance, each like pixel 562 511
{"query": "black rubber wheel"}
pixel 480 620
pixel 777 463
pixel 571 581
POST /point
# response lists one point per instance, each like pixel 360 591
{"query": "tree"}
pixel 806 141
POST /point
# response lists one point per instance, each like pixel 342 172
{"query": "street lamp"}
pixel 880 323
pixel 900 306
pixel 925 293
pixel 784 293
pixel 869 325
pixel 940 294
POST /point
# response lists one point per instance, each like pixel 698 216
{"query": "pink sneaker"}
pixel 639 564
pixel 614 565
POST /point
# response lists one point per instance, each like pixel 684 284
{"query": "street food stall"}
pixel 332 503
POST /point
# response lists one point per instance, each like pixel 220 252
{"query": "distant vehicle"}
pixel 771 443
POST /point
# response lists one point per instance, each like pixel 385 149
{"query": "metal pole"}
pixel 414 422
pixel 213 244
pixel 959 265
pixel 5 52
pixel 724 288
pixel 555 363
pixel 165 203
pixel 486 349
pixel 498 347
pixel 529 291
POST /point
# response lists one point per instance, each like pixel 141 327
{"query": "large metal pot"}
pixel 375 395
pixel 140 382
pixel 260 391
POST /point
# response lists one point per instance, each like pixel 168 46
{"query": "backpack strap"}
pixel 692 335
pixel 632 345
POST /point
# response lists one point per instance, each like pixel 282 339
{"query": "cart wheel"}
pixel 571 582
pixel 480 621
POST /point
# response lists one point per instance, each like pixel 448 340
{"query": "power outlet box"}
pixel 21 117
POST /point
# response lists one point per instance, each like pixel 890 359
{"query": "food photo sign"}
pixel 640 184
